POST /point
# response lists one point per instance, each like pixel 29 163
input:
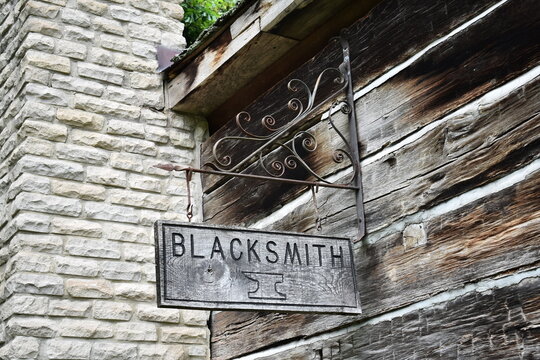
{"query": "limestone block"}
pixel 185 335
pixel 184 122
pixel 154 117
pixel 38 111
pixel 75 17
pixel 86 288
pixel 75 266
pixel 165 352
pixel 32 222
pixel 71 49
pixel 112 310
pixel 48 204
pixel 93 104
pixel 75 227
pixel 28 261
pixel 93 248
pixel 119 94
pixel 41 9
pixel 68 349
pixel 76 84
pixel 144 32
pixel 143 49
pixel 48 167
pixel 29 183
pixel 47 94
pixel 106 176
pixel 125 14
pixel 149 272
pixel 177 155
pixel 31 326
pixel 77 190
pixel 36 242
pixel 150 168
pixel 35 284
pixel 139 199
pixel 76 33
pixel 182 139
pixel 24 305
pixel 38 42
pixel 142 182
pixel 21 347
pixel 48 61
pixel 101 57
pixel 44 27
pixel 146 5
pixel 139 253
pixel 103 141
pixel 116 351
pixel 108 26
pixel 103 73
pixel 142 147
pixel 84 154
pixel 147 312
pixel 131 63
pixel 114 270
pixel 45 130
pixel 32 74
pixel 195 317
pixel 163 23
pixel 129 233
pixel 69 308
pixel 173 40
pixel 91 6
pixel 151 99
pixel 197 350
pixel 156 134
pixel 127 128
pixel 136 332
pixel 172 10
pixel 104 211
pixel 113 42
pixel 125 161
pixel 86 329
pixel 135 291
pixel 144 81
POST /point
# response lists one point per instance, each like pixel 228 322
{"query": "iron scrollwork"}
pixel 289 135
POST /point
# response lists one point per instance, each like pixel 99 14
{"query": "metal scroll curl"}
pixel 296 143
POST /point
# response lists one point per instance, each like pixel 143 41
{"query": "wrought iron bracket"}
pixel 289 135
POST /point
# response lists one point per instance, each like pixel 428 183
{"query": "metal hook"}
pixel 318 220
pixel 189 209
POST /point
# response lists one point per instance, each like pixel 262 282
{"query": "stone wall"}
pixel 82 124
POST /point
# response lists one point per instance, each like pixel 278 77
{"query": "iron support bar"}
pixel 170 167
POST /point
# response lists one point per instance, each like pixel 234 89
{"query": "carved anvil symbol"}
pixel 266 285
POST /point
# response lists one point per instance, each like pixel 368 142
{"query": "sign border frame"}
pixel 199 305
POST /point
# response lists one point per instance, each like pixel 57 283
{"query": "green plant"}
pixel 201 14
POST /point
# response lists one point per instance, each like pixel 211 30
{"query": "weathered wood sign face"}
pixel 214 267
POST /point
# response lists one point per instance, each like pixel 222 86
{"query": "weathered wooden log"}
pixel 435 72
pixel 419 24
pixel 500 323
pixel 490 236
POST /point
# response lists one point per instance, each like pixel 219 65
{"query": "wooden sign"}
pixel 213 267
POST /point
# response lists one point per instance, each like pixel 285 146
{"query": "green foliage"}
pixel 201 14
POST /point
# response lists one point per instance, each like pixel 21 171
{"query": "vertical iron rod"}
pixel 353 136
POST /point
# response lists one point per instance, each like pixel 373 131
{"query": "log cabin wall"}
pixel 447 94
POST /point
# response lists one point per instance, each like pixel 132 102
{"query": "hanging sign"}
pixel 214 267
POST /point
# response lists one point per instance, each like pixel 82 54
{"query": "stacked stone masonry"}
pixel 82 124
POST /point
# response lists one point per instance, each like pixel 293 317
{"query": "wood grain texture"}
pixel 498 324
pixel 427 90
pixel 491 236
pixel 419 24
pixel 465 152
